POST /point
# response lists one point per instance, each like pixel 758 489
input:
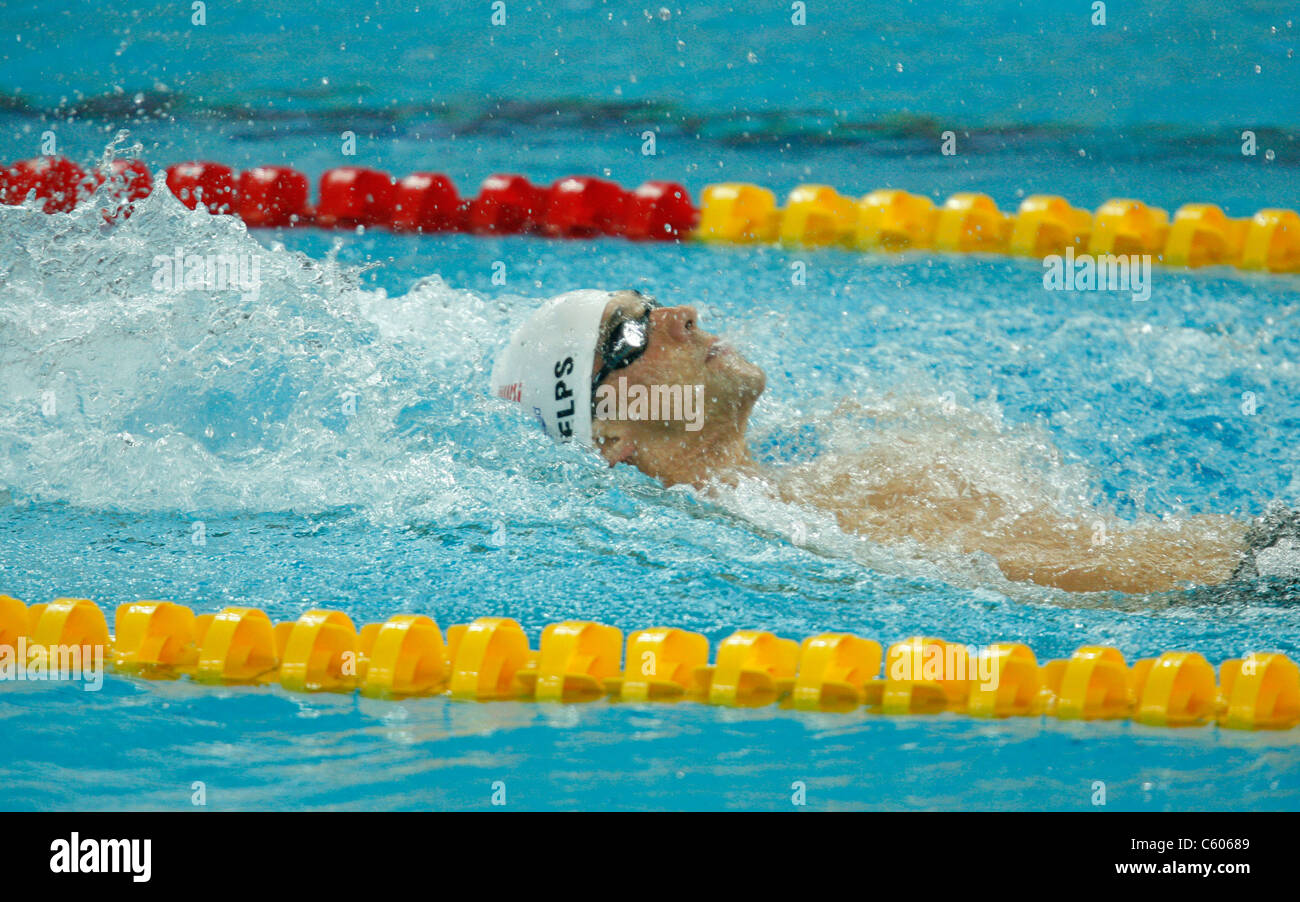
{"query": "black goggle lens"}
pixel 627 341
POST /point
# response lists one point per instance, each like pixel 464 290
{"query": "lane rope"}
pixel 887 220
pixel 575 661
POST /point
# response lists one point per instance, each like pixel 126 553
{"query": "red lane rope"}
pixel 352 196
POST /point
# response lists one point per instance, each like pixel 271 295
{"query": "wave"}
pixel 126 389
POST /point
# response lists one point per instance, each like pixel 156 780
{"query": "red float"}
pixel 353 196
pixel 659 211
pixel 56 180
pixel 427 202
pixel 209 183
pixel 272 196
pixel 580 206
pixel 507 205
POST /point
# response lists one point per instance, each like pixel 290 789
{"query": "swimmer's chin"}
pixel 745 379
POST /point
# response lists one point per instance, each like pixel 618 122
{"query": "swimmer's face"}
pixel 677 355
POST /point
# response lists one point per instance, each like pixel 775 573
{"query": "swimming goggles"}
pixel 626 339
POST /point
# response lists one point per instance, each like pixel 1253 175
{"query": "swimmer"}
pixel 617 371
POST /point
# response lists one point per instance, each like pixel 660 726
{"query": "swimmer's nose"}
pixel 682 322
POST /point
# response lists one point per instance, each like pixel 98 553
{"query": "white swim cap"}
pixel 547 365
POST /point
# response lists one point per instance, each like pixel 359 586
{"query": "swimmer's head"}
pixel 656 391
pixel 547 365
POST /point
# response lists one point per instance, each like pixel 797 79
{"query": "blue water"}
pixel 204 414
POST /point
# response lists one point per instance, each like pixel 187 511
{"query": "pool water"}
pixel 330 443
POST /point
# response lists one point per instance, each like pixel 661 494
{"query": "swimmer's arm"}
pixel 1078 554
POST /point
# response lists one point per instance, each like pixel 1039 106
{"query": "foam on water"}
pixel 310 393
